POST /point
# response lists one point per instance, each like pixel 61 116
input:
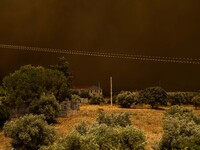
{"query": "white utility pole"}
pixel 111 100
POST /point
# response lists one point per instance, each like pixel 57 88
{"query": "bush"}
pixel 114 99
pixel 175 98
pixel 28 83
pixel 180 98
pixel 181 130
pixel 106 137
pixel 103 136
pixel 74 92
pixel 188 96
pixel 72 141
pixel 153 96
pixel 82 128
pixel 29 132
pixel 124 138
pixel 114 119
pixel 196 101
pixel 84 94
pixel 76 98
pixel 132 138
pixel 4 115
pixel 125 99
pixel 96 100
pixel 2 92
pixel 47 105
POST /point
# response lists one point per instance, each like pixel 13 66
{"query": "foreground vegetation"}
pixel 30 101
pixel 148 120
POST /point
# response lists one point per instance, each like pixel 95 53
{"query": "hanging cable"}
pixel 106 55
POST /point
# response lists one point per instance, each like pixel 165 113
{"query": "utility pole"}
pixel 111 100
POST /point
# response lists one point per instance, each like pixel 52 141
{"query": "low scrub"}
pixel 96 100
pixel 103 135
pixel 125 99
pixel 121 119
pixel 46 105
pixel 76 98
pixel 29 132
pixel 84 94
pixel 181 98
pixel 181 130
pixel 196 101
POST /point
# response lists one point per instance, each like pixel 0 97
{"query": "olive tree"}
pixel 153 96
pixel 47 105
pixel 63 66
pixel 126 98
pixel 29 132
pixel 196 101
pixel 181 130
pixel 103 136
pixel 29 83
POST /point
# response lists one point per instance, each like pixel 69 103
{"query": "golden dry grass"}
pixel 149 120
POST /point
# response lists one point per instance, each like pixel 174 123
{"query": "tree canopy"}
pixel 29 83
pixel 63 66
pixel 46 105
pixel 153 96
pixel 29 132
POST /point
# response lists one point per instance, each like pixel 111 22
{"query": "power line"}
pixel 106 55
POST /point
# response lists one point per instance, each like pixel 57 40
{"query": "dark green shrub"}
pixel 84 94
pixel 74 92
pixel 121 119
pixel 101 136
pixel 63 66
pixel 175 98
pixel 28 83
pixel 123 138
pixel 188 96
pixel 88 143
pixel 82 128
pixel 196 101
pixel 72 141
pixel 47 105
pixel 2 91
pixel 76 98
pixel 75 141
pixel 125 99
pixel 182 113
pixel 29 132
pixel 105 136
pixel 181 130
pixel 4 115
pixel 181 98
pixel 154 96
pixel 114 99
pixel 132 138
pixel 96 100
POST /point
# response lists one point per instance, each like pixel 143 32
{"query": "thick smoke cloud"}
pixel 163 28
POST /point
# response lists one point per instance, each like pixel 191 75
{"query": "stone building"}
pixel 92 90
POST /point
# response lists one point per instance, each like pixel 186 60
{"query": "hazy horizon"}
pixel 155 28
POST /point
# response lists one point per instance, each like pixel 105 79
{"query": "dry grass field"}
pixel 149 120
